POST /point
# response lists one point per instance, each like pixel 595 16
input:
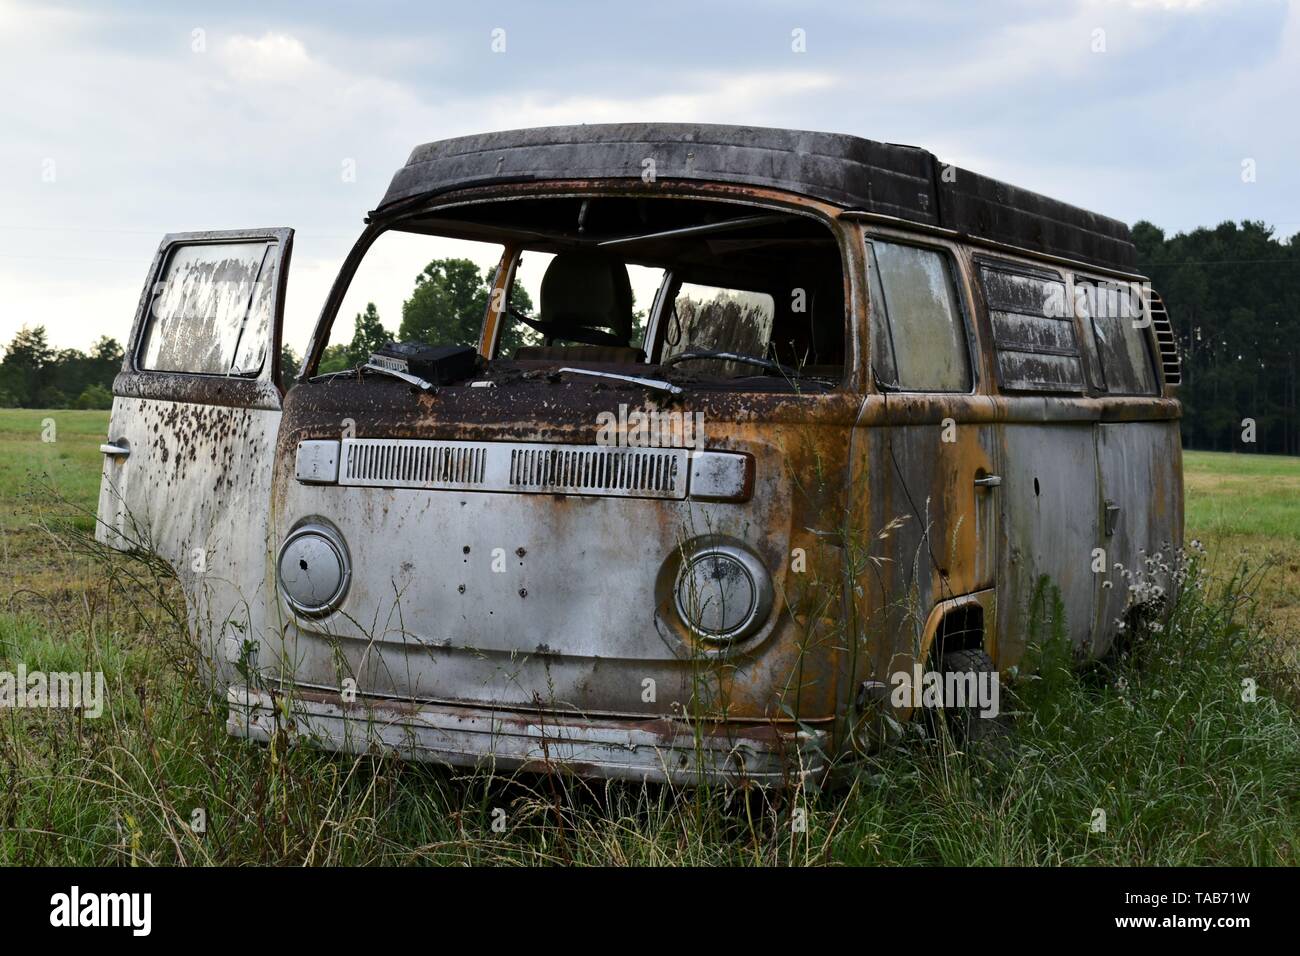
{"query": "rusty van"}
pixel 693 437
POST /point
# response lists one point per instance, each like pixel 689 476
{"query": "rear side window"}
pixel 210 312
pixel 1113 313
pixel 918 336
pixel 1033 330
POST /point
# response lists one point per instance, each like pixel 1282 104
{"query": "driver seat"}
pixel 582 291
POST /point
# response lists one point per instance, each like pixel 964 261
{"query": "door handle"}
pixel 117 451
pixel 1112 518
pixel 988 481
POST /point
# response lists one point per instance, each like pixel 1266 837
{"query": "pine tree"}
pixel 369 336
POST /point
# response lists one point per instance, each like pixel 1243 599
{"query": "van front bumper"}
pixel 660 750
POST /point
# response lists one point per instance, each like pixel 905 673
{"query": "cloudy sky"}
pixel 120 126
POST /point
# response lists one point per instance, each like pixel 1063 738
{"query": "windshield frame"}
pixel 514 245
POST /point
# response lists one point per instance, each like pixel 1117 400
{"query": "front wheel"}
pixel 976 716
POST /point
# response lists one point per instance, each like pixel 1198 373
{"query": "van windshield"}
pixel 696 292
pixel 710 293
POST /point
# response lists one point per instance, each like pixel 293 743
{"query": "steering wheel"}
pixel 740 357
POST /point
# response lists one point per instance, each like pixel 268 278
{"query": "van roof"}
pixel 905 182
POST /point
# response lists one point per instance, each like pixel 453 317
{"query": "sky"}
pixel 120 125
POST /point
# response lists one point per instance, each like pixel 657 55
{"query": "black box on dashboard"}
pixel 438 364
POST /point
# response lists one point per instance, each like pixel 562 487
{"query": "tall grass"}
pixel 1162 739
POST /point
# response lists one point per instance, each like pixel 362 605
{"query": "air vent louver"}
pixel 655 472
pixel 1165 340
pixel 515 467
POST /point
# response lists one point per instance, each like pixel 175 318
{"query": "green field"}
pixel 70 463
pixel 1185 769
pixel 1247 507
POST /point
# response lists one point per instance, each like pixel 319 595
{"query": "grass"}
pixel 1162 741
pixel 69 463
pixel 1247 508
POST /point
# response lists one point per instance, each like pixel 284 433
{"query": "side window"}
pixel 918 336
pixel 211 310
pixel 1033 330
pixel 1114 314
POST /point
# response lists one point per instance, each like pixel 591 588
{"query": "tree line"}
pixel 445 307
pixel 33 374
pixel 1233 294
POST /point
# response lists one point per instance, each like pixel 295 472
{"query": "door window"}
pixel 211 311
pixel 918 336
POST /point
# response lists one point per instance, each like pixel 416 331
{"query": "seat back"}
pixel 588 290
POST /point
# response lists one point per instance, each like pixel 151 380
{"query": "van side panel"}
pixel 1050 528
pixel 923 532
pixel 1141 488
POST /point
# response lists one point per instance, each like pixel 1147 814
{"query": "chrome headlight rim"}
pixel 334 540
pixel 760 582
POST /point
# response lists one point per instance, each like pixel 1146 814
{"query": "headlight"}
pixel 313 569
pixel 724 593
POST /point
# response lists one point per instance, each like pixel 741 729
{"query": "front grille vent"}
pixel 527 467
pixel 648 472
pixel 413 464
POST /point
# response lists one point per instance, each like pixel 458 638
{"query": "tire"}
pixel 966 724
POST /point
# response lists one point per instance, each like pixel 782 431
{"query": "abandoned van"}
pixel 694 445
